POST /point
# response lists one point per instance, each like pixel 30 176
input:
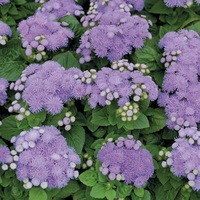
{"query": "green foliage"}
pixel 67 60
pixel 37 193
pixel 76 138
pixel 88 178
pixel 93 127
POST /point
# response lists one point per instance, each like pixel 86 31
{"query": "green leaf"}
pixel 195 27
pixel 76 138
pixel 67 60
pixel 37 193
pixel 36 119
pixel 160 8
pixel 13 10
pixel 110 194
pixel 11 70
pixel 154 149
pixel 5 8
pixel 98 191
pixel 157 120
pixel 74 24
pixel 68 190
pixel 149 54
pixel 101 62
pixel 100 117
pixel 88 177
pixel 139 192
pixel 124 190
pixel 141 123
pixel 9 128
pixel 163 175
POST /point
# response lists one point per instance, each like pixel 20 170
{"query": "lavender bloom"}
pixel 113 85
pixel 42 158
pixel 126 160
pixel 49 86
pixel 5 156
pixel 120 5
pixel 39 33
pixel 180 3
pixel 114 37
pixel 5 31
pixel 61 8
pixel 100 7
pixel 180 85
pixel 184 158
pixel 3 87
pixel 4 2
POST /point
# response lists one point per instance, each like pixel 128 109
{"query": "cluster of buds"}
pixel 162 155
pixel 126 7
pixel 179 122
pixel 87 76
pixel 170 57
pixel 16 106
pixel 92 17
pixel 85 45
pixel 3 39
pixel 192 134
pixel 67 121
pixel 36 49
pixel 142 68
pixel 87 162
pixel 128 112
pixel 123 65
pixel 93 8
pixel 109 95
pixel 139 92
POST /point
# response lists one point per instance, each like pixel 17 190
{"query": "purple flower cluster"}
pixel 49 86
pixel 5 155
pixel 180 3
pixel 181 86
pixel 122 86
pixel 67 120
pixel 61 8
pixel 184 159
pixel 125 160
pixel 39 33
pixel 3 87
pixel 114 36
pixel 100 7
pixel 4 2
pixel 120 5
pixel 5 31
pixel 42 158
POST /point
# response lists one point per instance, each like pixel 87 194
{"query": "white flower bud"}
pixel 4 167
pixel 164 164
pixel 72 165
pixel 44 185
pixel 191 183
pixel 89 163
pixel 60 123
pixel 13 166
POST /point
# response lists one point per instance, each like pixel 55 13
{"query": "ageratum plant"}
pixel 99 99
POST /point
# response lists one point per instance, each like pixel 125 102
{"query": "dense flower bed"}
pixel 99 99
